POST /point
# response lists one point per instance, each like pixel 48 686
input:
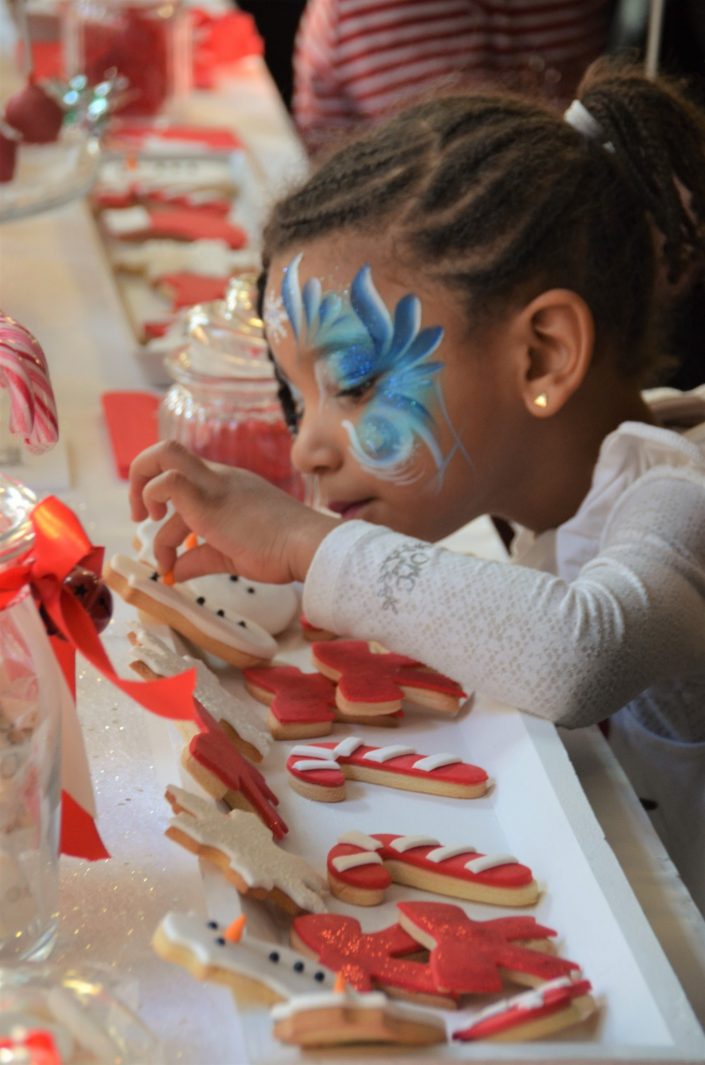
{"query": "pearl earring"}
pixel 541 400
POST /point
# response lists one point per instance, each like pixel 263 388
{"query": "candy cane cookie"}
pixel 375 683
pixel 533 1014
pixel 234 639
pixel 318 771
pixel 361 868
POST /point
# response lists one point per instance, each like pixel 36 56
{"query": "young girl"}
pixel 460 306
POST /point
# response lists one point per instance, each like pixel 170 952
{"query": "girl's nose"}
pixel 316 447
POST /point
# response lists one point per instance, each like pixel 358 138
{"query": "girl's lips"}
pixel 348 510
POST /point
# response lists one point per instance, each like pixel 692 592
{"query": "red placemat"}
pixel 131 418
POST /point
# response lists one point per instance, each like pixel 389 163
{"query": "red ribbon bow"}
pixel 60 544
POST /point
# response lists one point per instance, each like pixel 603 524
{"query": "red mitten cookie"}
pixel 318 771
pixel 360 868
pixel 224 773
pixel 533 1014
pixel 374 684
pixel 300 704
pixel 471 957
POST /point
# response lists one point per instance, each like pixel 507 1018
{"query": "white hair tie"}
pixel 578 116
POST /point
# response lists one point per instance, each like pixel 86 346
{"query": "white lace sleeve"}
pixel 573 653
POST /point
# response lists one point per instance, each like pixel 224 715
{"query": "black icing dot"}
pixel 201 600
pixel 250 591
pixel 298 966
pixel 234 577
pixel 319 976
pixel 242 624
pixel 220 613
pixel 212 924
pixel 154 576
pixel 274 956
pixel 221 941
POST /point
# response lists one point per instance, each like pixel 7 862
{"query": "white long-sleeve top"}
pixel 603 616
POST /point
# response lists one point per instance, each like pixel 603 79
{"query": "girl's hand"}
pixel 249 526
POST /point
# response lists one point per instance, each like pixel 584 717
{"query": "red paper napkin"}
pixel 131 418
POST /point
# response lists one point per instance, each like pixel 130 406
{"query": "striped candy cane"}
pixel 25 375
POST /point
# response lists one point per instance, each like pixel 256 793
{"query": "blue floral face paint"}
pixel 362 350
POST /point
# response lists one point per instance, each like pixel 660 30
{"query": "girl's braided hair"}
pixel 499 199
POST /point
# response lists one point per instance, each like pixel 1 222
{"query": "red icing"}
pixel 469 956
pixel 134 135
pixel 136 194
pixel 366 677
pixel 462 773
pixel 154 329
pixel 554 999
pixel 188 223
pixel 213 750
pixel 185 289
pixel 297 697
pixel 509 875
pixel 365 961
pixel 372 877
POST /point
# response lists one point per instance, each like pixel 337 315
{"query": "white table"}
pixel 54 279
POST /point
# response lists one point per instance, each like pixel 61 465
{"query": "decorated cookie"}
pixel 233 638
pixel 533 1014
pixel 271 606
pixel 243 848
pixel 220 769
pixel 361 867
pixel 300 704
pixel 345 1017
pixel 135 193
pixel 318 771
pixel 312 632
pixel 471 957
pixel 254 968
pixel 153 658
pixel 171 223
pixel 184 289
pixel 376 683
pixel 156 257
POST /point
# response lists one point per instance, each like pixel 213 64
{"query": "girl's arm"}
pixel 572 653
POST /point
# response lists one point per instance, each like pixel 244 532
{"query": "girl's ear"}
pixel 557 337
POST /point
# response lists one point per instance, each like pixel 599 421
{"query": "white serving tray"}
pixel 538 812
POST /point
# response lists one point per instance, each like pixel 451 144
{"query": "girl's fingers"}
pixel 154 463
pixel 170 536
pixel 198 562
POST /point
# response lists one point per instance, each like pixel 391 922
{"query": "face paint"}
pixel 274 316
pixel 362 348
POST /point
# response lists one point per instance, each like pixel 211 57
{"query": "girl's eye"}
pixel 358 391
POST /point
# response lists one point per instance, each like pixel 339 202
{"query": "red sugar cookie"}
pixel 533 1014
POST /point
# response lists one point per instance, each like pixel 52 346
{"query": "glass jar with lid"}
pixel 30 748
pixel 223 403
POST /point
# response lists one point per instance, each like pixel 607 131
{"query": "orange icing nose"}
pixel 168 578
pixel 233 933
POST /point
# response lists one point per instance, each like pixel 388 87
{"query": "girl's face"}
pixel 397 412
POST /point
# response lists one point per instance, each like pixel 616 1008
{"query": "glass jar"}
pixel 30 753
pixel 146 41
pixel 224 404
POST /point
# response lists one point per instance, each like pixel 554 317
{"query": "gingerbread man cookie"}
pixel 240 845
pixel 235 639
pixel 361 868
pixel 318 771
pixel 242 723
pixel 375 683
pixel 533 1014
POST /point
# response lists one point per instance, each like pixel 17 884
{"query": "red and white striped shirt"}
pixel 356 60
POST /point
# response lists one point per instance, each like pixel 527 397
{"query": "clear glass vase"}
pixel 30 753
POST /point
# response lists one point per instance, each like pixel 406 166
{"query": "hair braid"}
pixel 498 198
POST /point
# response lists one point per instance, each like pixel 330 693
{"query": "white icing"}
pixel 407 843
pixel 126 220
pixel 385 754
pixel 436 761
pixel 527 1000
pixel 352 861
pixel 305 765
pixel 250 957
pixel 250 849
pixel 308 750
pixel 351 999
pixel 272 606
pixel 359 839
pixel 442 854
pixel 346 747
pixel 223 705
pixel 489 861
pixel 250 640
